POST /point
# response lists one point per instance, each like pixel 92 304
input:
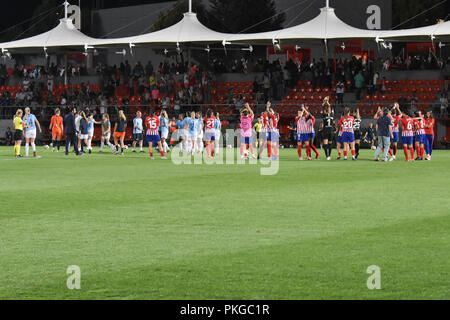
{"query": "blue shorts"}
pixel 302 137
pixel 312 136
pixel 407 140
pixel 246 140
pixel 274 136
pixel 348 137
pixel 340 139
pixel 420 138
pixel 154 139
pixel 396 138
pixel 269 136
pixel 210 136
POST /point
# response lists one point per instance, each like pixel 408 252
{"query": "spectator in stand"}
pixel 155 95
pixel 340 93
pixel 413 103
pixel 444 105
pixel 359 83
pixel 376 87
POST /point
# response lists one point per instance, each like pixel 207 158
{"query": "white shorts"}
pixel 84 136
pixel 164 134
pixel 30 134
pixel 192 136
pixel 200 135
pixel 90 133
pixel 107 137
pixel 217 135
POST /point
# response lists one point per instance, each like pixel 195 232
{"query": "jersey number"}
pixel 348 124
pixel 152 124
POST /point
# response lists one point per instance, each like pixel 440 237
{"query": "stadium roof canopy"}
pixel 65 36
pixel 437 32
pixel 189 29
pixel 326 26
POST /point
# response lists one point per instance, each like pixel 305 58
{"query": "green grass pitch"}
pixel 142 229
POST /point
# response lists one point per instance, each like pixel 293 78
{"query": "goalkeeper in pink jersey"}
pixel 247 117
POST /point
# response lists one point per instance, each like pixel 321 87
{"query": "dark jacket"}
pixel 383 126
pixel 69 124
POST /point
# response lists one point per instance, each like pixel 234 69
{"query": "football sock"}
pixel 405 150
pixel 353 153
pixel 269 150
pixel 314 148
pixel 357 148
pixel 411 150
pixel 27 149
pixel 395 150
pixel 299 151
pixel 330 149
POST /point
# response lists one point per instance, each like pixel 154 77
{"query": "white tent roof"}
pixel 64 35
pixel 437 32
pixel 189 29
pixel 325 26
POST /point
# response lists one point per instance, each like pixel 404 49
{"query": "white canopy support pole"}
pixel 65 70
pixel 190 6
pixel 66 11
pixel 327 3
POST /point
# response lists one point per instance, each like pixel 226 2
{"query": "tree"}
pixel 402 10
pixel 235 16
pixel 175 14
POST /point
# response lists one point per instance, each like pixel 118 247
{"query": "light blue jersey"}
pixel 31 122
pixel 198 125
pixel 91 124
pixel 190 123
pixel 217 125
pixel 137 126
pixel 180 124
pixel 164 124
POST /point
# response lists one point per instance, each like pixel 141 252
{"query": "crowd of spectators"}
pixel 175 83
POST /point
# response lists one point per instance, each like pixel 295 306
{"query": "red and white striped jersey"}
pixel 273 122
pixel 302 128
pixel 396 122
pixel 209 124
pixel 266 123
pixel 419 126
pixel 347 123
pixel 407 127
pixel 310 124
pixel 152 124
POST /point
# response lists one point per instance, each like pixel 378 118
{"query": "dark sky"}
pixel 20 10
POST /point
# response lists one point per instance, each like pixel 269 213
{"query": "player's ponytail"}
pixel 19 112
pixel 122 115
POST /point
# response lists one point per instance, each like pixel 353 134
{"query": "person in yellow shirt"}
pixel 258 127
pixel 18 133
